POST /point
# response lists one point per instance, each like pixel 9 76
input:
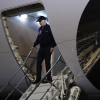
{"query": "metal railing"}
pixel 55 81
pixel 8 83
pixel 28 71
pixel 14 88
pixel 37 85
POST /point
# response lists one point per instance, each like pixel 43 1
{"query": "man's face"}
pixel 42 22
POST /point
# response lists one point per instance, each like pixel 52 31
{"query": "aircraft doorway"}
pixel 21 30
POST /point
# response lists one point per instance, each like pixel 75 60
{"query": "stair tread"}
pixel 39 96
pixel 38 93
pixel 54 77
pixel 43 87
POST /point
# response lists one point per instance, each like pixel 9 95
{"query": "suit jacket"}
pixel 45 37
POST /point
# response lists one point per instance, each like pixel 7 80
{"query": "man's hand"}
pixel 51 50
pixel 32 48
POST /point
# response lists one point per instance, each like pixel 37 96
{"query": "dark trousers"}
pixel 43 53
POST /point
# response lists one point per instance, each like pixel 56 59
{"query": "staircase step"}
pixel 38 96
pixel 38 93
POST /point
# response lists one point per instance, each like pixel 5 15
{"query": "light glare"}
pixel 23 16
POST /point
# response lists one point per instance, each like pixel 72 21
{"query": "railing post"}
pixel 8 83
pixel 44 77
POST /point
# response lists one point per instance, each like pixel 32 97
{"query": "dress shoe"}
pixel 46 81
pixel 49 80
pixel 36 81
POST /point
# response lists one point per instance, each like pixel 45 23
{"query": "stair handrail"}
pixel 15 88
pixel 8 83
pixel 43 77
pixel 56 79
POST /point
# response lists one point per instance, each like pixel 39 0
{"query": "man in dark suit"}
pixel 47 43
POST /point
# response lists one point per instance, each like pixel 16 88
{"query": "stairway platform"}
pixel 40 91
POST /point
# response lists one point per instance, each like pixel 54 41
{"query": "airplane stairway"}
pixel 59 89
pixel 40 91
pixel 46 91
